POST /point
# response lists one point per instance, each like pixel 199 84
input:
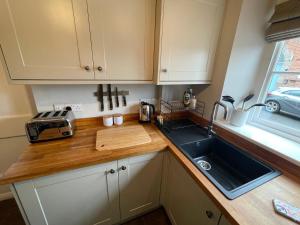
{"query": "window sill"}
pixel 285 148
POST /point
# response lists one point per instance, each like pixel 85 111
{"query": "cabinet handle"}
pixel 209 214
pixel 87 68
pixel 112 171
pixel 164 70
pixel 99 68
pixel 123 168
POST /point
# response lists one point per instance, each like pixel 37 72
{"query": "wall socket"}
pixel 75 107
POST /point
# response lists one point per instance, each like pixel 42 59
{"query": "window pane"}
pixel 283 93
pixel 289 57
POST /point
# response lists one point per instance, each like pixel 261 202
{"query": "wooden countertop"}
pixel 254 207
pixel 46 158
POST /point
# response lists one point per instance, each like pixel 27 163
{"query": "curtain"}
pixel 285 22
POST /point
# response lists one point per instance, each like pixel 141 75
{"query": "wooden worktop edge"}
pixel 4 181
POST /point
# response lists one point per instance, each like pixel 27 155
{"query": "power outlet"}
pixel 58 107
pixel 75 107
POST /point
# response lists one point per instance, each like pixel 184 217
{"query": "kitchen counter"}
pixel 254 207
pixel 50 157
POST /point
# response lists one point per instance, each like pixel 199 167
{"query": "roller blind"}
pixel 285 22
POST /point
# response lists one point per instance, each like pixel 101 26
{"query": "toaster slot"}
pixel 64 113
pixel 37 115
pixel 56 113
pixel 46 114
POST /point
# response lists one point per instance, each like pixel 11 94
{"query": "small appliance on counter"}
pixel 50 125
pixel 147 110
pixel 187 96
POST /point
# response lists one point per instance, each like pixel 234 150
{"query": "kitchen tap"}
pixel 214 115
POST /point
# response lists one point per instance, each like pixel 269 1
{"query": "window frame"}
pixel 272 127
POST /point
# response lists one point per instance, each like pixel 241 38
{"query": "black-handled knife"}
pixel 117 97
pixel 109 97
pixel 124 100
pixel 100 97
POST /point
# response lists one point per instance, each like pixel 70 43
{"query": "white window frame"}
pixel 272 127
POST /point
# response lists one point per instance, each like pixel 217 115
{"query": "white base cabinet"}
pixel 115 192
pixel 139 184
pixel 93 195
pixel 184 201
pixel 224 221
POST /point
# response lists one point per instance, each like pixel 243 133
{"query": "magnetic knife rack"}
pixel 109 94
pixel 120 93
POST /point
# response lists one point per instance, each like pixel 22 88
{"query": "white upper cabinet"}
pixel 188 36
pixel 43 39
pixel 112 41
pixel 78 40
pixel 122 33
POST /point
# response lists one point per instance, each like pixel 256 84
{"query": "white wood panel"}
pixel 15 125
pixel 186 202
pixel 16 197
pixel 190 31
pixel 139 184
pixel 43 39
pixel 122 34
pixel 81 197
pixel 10 150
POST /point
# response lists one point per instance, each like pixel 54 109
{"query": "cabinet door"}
pixel 82 197
pixel 139 183
pixel 122 34
pixel 190 30
pixel 186 202
pixel 46 40
pixel 224 221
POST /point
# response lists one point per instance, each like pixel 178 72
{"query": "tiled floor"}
pixel 10 215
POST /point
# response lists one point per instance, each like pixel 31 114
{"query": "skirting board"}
pixel 5 196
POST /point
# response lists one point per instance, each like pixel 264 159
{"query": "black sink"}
pixel 233 171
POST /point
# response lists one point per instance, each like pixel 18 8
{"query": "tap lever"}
pixel 213 116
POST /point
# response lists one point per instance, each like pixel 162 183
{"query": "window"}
pixel 281 92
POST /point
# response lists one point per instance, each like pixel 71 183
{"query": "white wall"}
pixel 174 92
pixel 249 53
pixel 16 108
pixel 210 94
pixel 47 95
pixel 243 56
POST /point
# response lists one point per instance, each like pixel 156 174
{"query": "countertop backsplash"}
pixel 46 96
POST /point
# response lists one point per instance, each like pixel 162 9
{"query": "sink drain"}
pixel 204 165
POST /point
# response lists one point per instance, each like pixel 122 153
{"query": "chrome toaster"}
pixel 50 125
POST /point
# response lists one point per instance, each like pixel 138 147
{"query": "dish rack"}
pixel 171 109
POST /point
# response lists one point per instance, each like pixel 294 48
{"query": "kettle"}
pixel 146 111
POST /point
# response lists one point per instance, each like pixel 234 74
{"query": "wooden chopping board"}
pixel 121 137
